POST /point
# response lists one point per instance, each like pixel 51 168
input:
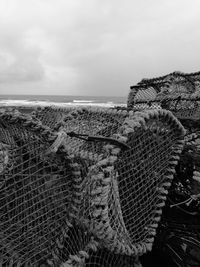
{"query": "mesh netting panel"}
pixel 78 246
pixel 105 258
pixel 149 93
pixel 185 108
pixel 51 115
pixel 35 194
pixel 148 162
pixel 121 190
pixel 146 105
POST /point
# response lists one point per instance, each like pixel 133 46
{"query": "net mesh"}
pixel 51 116
pixel 185 107
pixel 35 193
pixel 105 258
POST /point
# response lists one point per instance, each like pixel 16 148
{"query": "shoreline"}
pixel 29 104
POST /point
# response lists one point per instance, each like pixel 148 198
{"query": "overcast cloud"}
pixel 94 47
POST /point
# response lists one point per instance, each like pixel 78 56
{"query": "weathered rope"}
pixel 57 143
pixel 175 73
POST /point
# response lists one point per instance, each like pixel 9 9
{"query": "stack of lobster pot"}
pixel 88 191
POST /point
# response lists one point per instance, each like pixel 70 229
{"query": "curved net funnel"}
pixel 127 164
pixel 35 193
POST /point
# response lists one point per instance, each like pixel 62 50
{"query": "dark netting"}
pixel 183 204
pixel 178 237
pixel 183 107
pixel 127 166
pixel 35 193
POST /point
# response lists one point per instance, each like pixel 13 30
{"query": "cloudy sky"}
pixel 94 47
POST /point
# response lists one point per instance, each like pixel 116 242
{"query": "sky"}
pixel 94 47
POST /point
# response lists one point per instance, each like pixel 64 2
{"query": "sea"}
pixel 62 100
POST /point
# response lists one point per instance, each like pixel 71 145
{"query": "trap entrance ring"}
pixel 35 193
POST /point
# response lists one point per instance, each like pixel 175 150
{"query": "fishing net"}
pixel 127 164
pixel 184 194
pixel 185 108
pixel 35 193
pixel 142 94
pixel 178 236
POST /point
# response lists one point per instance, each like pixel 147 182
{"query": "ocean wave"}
pixel 62 104
pixel 83 101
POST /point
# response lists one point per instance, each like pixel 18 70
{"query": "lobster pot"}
pixel 128 161
pixel 140 181
pixel 175 84
pixel 35 193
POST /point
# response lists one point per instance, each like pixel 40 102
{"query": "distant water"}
pixel 45 100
